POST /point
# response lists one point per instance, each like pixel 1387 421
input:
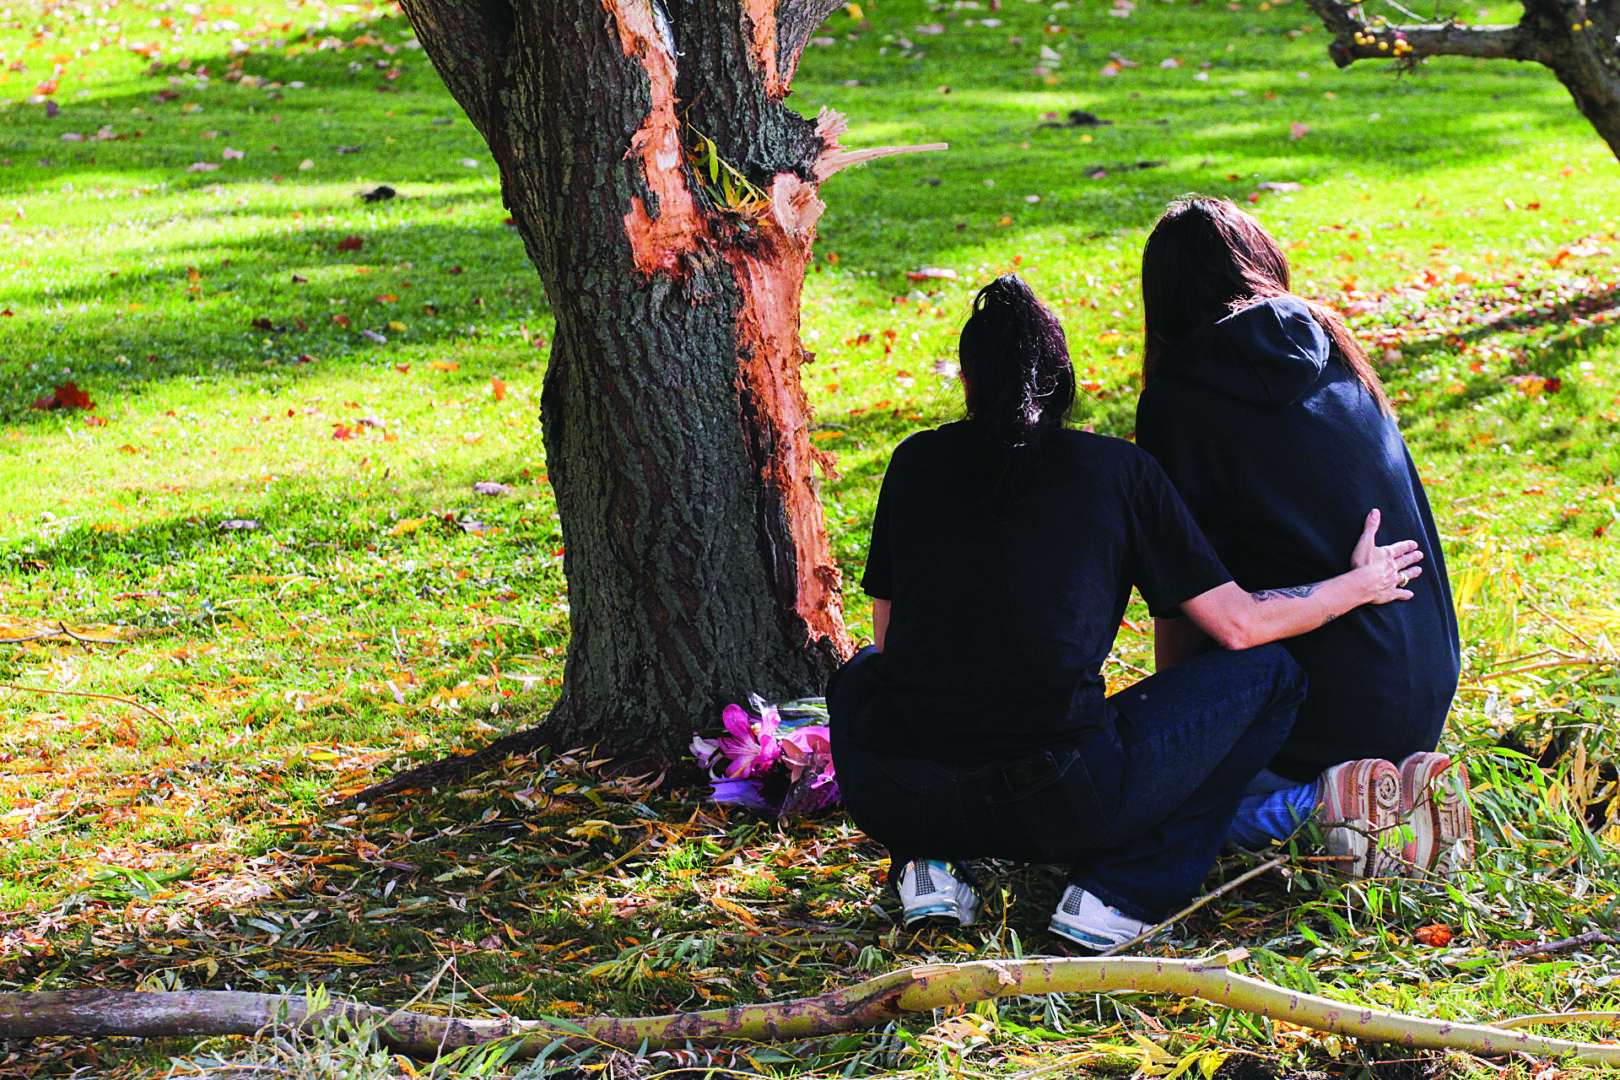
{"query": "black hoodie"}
pixel 1279 452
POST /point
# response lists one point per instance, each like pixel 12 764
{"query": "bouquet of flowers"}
pixel 775 758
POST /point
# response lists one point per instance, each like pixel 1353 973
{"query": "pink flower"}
pixel 752 745
pixel 806 748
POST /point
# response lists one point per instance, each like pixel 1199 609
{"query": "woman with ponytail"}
pixel 1003 552
pixel 1270 421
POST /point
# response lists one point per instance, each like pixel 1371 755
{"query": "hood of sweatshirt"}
pixel 1266 355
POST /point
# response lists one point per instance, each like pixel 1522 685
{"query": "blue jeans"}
pixel 1138 810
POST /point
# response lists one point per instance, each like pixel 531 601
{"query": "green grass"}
pixel 383 612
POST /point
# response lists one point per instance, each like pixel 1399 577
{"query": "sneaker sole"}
pixel 1079 937
pixel 940 915
pixel 1442 822
pixel 1363 841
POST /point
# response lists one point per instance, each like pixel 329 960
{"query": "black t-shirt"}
pixel 1001 621
pixel 1280 452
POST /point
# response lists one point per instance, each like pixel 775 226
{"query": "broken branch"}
pixel 868 1004
pixel 837 160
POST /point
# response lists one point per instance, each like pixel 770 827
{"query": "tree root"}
pixel 865 1005
pixel 458 767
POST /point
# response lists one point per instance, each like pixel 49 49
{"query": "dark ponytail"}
pixel 1019 382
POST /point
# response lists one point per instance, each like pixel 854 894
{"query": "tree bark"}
pixel 1574 38
pixel 675 425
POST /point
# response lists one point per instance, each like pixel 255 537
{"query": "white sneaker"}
pixel 1088 922
pixel 930 889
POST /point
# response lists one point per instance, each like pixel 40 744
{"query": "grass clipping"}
pixel 887 997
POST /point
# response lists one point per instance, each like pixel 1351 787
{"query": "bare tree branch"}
pixel 1575 38
pixel 796 20
pixel 1355 37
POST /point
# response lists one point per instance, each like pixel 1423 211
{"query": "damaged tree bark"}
pixel 1575 38
pixel 668 198
pixel 865 1005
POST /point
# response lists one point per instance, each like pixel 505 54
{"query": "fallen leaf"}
pixel 498 388
pixel 491 487
pixel 341 319
pixel 444 365
pixel 1436 934
pixel 342 431
pixel 350 243
pixel 1297 130
pixel 66 396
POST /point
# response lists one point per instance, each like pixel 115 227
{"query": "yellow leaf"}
pixel 444 365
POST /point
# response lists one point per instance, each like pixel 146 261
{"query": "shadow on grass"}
pixel 431 286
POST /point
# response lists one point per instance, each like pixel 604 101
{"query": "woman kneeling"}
pixel 1003 553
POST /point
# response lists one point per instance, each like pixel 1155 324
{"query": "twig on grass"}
pixel 1545 614
pixel 1568 661
pixel 148 710
pixel 1196 904
pixel 62 628
pixel 61 631
pixel 1546 948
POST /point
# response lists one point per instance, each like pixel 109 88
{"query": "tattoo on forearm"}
pixel 1292 592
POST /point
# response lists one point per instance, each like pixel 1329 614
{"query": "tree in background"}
pixel 668 198
pixel 1577 39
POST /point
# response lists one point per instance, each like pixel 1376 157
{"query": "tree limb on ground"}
pixel 97 1013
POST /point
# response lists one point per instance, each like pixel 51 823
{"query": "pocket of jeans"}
pixel 1025 777
pixel 1049 814
pixel 901 777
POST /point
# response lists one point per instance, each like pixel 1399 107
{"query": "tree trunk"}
pixel 1575 38
pixel 667 198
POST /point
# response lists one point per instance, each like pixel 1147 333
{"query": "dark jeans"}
pixel 1139 809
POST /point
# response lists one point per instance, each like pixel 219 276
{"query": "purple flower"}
pixel 705 750
pixel 741 793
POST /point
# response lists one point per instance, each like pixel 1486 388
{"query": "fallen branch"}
pixel 61 631
pixel 1568 661
pixel 1546 948
pixel 1196 904
pixel 148 710
pixel 869 1004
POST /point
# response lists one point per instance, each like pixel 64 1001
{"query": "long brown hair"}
pixel 1205 259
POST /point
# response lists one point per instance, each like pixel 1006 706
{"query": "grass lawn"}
pixel 265 543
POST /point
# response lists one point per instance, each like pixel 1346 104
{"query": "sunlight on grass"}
pixel 271 511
